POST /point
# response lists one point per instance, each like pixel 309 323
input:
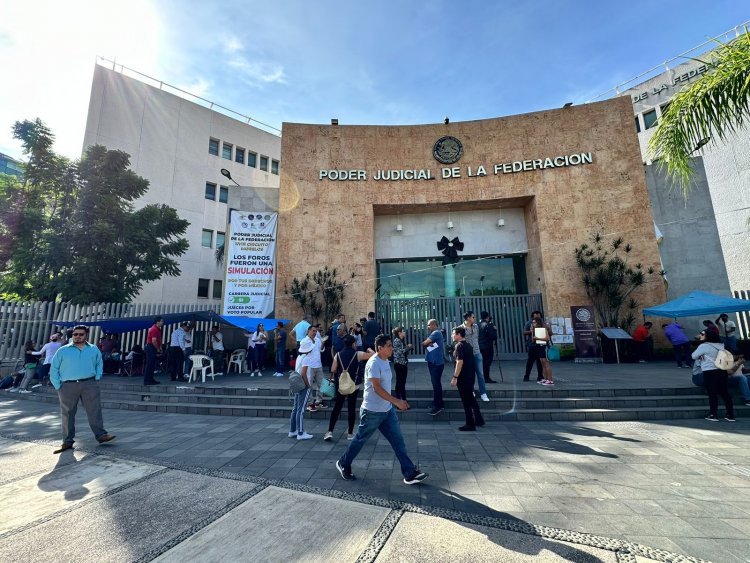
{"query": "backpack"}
pixel 724 359
pixel 346 383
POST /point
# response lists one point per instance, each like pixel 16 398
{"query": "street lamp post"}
pixel 227 174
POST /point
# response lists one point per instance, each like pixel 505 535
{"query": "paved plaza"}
pixel 189 487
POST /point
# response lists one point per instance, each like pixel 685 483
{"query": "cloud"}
pixel 233 45
pixel 254 72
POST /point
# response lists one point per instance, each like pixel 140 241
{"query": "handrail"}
pixel 665 65
pixel 211 105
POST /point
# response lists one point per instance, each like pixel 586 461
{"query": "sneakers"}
pixel 747 403
pixel 328 436
pixel 712 418
pixel 252 374
pixel 350 436
pixel 258 373
pixel 346 472
pixel 485 398
pixel 304 436
pixel 24 391
pixel 312 408
pixel 548 382
pixel 540 381
pixel 280 374
pixel 416 477
pixel 37 385
pixel 321 406
pixel 729 419
pixel 436 411
pixel 276 374
pixel 292 434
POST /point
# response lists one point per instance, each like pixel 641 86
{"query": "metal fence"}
pixel 743 318
pixel 23 321
pixel 510 314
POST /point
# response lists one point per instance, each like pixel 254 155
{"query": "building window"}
pixel 251 159
pixel 275 167
pixel 218 284
pixel 637 124
pixel 210 191
pixel 239 155
pixel 203 288
pixel 207 239
pixel 223 194
pixel 649 119
pixel 213 147
pixel 220 239
pixel 226 151
pixel 663 109
pixel 264 163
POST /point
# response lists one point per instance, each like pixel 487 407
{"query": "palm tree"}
pixel 711 109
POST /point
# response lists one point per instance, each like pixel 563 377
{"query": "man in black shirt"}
pixel 463 379
pixel 487 344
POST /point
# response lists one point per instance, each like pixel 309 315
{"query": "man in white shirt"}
pixel 314 366
pixel 187 348
pixel 175 355
pixel 48 350
pixel 217 347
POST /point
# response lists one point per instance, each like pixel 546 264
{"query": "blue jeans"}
pixel 480 373
pixel 281 365
pixel 436 372
pixel 298 411
pixel 260 356
pixel 387 423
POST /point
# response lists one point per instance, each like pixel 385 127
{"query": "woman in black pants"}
pixel 400 361
pixel 715 380
pixel 463 379
pixel 348 359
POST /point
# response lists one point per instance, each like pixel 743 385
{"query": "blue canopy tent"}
pixel 131 324
pixel 696 304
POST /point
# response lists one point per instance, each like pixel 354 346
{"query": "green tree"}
pixel 610 281
pixel 715 106
pixel 319 294
pixel 35 214
pixel 78 236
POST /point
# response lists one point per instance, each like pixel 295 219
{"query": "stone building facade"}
pixel 531 186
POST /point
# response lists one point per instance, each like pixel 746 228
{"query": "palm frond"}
pixel 716 106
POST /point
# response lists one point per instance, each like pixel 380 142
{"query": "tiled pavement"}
pixel 678 486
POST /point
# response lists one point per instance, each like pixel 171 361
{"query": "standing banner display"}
pixel 250 278
pixel 584 335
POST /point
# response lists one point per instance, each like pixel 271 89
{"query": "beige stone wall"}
pixel 331 222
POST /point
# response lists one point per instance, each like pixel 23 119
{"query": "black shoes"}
pixel 346 472
pixel 106 438
pixel 436 411
pixel 416 477
pixel 152 382
pixel 467 428
pixel 62 448
pixel 488 380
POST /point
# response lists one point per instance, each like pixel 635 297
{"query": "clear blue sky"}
pixel 387 62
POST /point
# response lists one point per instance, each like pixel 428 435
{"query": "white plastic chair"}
pixel 202 365
pixel 237 359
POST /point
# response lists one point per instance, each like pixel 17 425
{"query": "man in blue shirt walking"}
pixel 76 368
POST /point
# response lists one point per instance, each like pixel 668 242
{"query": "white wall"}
pixel 167 138
pixel 727 166
pixel 478 230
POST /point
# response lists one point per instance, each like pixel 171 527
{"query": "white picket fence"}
pixel 23 321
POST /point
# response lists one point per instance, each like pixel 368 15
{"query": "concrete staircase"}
pixel 528 402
